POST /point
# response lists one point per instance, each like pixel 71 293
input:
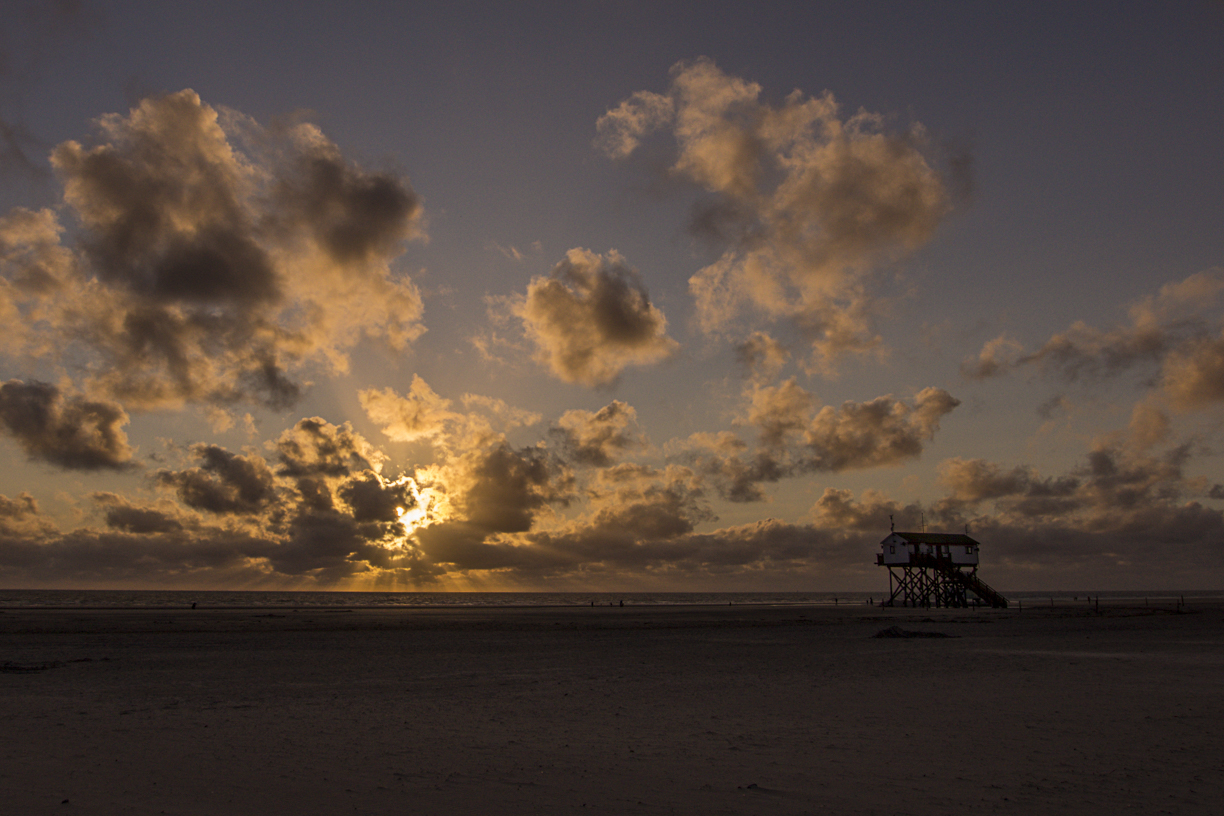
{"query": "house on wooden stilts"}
pixel 934 569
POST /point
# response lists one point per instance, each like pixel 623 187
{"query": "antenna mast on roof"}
pixel 892 528
pixel 923 517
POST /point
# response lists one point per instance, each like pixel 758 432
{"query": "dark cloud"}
pixel 496 494
pixel 162 201
pixel 882 432
pixel 837 509
pixel 737 555
pixel 315 447
pixel 1114 478
pixel 504 489
pixel 122 515
pixel 315 493
pixel 735 472
pixel 794 441
pixel 739 479
pixel 214 258
pixel 1166 546
pixel 598 439
pixel 977 480
pixel 330 546
pixel 371 498
pixel 648 503
pixel 1082 350
pixel 1119 516
pixel 593 318
pixel 1120 512
pixel 70 432
pixel 463 546
pixel 87 558
pixel 354 216
pixel 223 483
pixel 974 481
pixel 1070 529
pixel 322 514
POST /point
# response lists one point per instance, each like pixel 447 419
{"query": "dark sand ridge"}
pixel 704 710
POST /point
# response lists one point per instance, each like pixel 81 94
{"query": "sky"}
pixel 609 295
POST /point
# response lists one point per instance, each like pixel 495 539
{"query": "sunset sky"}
pixel 609 295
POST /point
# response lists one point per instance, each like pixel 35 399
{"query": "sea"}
pixel 258 599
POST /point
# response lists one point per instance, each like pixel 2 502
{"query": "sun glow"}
pixel 419 515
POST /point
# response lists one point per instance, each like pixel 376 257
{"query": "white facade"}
pixel 900 549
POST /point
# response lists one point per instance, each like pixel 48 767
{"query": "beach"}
pixel 689 709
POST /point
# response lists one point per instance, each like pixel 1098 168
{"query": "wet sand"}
pixel 706 710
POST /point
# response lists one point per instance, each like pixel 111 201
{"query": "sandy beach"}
pixel 702 710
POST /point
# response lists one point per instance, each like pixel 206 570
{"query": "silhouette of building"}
pixel 934 569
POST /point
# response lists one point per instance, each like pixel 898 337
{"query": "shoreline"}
pixel 1035 602
pixel 1049 620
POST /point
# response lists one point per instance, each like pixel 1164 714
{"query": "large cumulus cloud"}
pixel 806 204
pixel 224 482
pixel 68 431
pixel 883 431
pixel 592 318
pixel 213 258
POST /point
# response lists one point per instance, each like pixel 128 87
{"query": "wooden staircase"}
pixel 971 582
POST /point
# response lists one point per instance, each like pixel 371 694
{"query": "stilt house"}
pixel 934 569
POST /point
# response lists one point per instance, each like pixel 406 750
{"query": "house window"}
pixel 892 549
pixel 968 550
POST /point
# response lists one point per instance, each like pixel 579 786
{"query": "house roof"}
pixel 937 538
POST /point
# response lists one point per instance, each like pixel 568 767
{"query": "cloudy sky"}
pixel 609 295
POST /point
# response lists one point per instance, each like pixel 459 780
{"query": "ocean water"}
pixel 168 599
pixel 159 599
